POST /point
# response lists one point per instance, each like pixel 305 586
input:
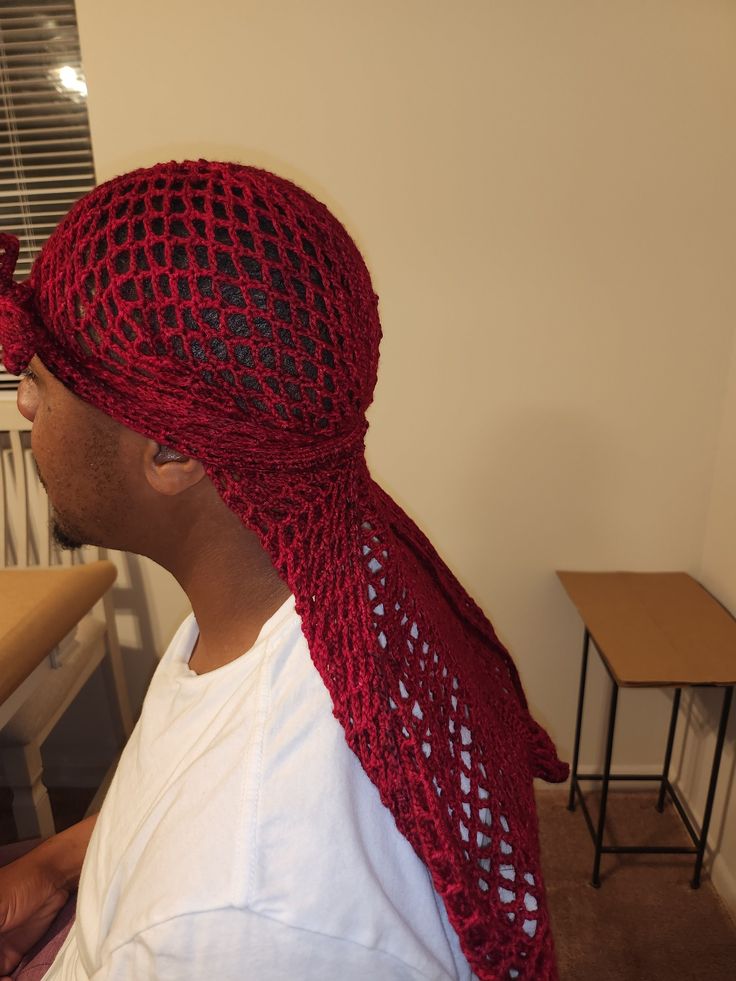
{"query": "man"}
pixel 332 772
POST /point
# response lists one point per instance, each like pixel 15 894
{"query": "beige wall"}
pixel 544 193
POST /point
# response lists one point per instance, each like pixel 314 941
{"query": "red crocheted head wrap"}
pixel 224 312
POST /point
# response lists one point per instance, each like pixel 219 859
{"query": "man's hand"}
pixel 35 887
pixel 30 898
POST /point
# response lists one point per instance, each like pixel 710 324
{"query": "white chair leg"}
pixel 31 805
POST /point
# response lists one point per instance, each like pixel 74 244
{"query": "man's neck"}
pixel 229 625
pixel 230 582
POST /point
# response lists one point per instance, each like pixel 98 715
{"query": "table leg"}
pixel 727 697
pixel 604 787
pixel 579 722
pixel 668 751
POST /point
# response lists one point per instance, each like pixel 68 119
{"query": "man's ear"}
pixel 168 471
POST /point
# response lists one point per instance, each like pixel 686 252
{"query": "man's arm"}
pixel 63 854
pixel 35 887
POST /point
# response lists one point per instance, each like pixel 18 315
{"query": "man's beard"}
pixel 62 538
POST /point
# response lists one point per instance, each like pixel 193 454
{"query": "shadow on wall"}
pixel 699 724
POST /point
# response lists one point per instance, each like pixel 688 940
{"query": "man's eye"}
pixel 29 374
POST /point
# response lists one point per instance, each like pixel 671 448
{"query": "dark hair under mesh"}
pixel 224 312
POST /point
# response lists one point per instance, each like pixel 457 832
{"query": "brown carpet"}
pixel 645 923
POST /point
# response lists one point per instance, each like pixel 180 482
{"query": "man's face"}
pixel 78 452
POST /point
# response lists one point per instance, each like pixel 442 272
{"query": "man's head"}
pixel 75 448
pixel 213 307
pixel 107 484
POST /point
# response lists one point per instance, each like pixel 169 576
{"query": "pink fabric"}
pixel 40 957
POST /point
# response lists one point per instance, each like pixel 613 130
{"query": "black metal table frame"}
pixel 699 840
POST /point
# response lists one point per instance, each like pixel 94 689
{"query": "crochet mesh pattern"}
pixel 224 312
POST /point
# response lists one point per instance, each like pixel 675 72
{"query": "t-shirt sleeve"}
pixel 239 945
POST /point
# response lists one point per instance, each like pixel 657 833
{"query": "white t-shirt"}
pixel 241 839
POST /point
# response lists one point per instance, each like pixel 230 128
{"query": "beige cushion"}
pixel 38 608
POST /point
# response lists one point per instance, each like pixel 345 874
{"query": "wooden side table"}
pixel 660 629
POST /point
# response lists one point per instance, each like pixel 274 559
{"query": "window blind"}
pixel 45 152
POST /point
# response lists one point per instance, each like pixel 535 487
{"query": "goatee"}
pixel 62 539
